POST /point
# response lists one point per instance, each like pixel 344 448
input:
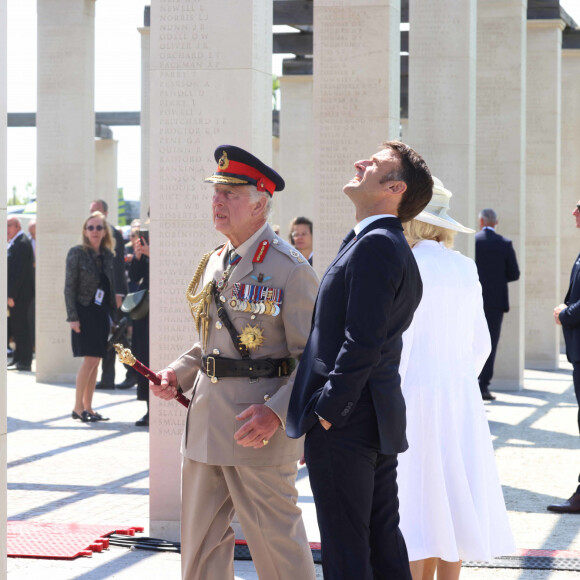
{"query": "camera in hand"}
pixel 144 235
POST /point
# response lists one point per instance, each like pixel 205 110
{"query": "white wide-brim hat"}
pixel 436 211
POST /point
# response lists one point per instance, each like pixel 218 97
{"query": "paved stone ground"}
pixel 60 470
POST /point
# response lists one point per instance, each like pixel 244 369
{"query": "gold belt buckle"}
pixel 210 372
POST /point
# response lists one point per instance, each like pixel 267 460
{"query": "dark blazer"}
pixel 570 317
pixel 496 265
pixel 365 302
pixel 20 270
pixel 82 279
pixel 119 262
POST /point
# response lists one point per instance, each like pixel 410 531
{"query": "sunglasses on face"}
pixel 98 228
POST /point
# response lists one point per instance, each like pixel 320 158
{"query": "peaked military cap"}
pixel 238 167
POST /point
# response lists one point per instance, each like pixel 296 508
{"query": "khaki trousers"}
pixel 264 499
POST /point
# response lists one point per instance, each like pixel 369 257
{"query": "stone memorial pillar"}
pixel 65 122
pixel 356 105
pixel 210 84
pixel 569 234
pixel 106 176
pixel 501 157
pixel 3 423
pixel 543 206
pixel 296 149
pixel 145 85
pixel 442 84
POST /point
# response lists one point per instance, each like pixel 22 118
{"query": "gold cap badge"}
pixel 224 162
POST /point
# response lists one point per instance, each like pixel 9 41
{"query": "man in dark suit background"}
pixel 108 365
pixel 20 276
pixel 568 315
pixel 496 265
pixel 347 396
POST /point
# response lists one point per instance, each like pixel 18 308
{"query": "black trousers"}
pixel 494 319
pixel 19 325
pixel 576 379
pixel 355 492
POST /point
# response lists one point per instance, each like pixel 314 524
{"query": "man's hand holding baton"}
pixel 164 384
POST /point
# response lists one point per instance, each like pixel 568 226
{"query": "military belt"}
pixel 216 367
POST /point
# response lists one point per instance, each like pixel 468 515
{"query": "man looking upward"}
pixel 347 396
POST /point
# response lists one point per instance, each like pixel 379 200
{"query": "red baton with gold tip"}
pixel 127 357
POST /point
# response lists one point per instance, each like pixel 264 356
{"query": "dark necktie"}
pixel 350 236
pixel 232 261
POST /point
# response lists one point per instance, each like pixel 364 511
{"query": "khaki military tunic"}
pixel 211 422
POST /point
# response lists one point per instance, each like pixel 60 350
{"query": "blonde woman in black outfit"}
pixel 90 300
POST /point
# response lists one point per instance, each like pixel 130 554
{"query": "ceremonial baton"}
pixel 127 357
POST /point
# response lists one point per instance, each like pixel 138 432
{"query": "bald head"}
pixel 13 226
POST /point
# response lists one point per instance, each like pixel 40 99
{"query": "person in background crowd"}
pixel 347 396
pixel 108 366
pixel 20 293
pixel 241 371
pixel 496 265
pixel 90 299
pixel 568 316
pixel 32 234
pixel 301 236
pixel 450 496
pixel 32 307
pixel 139 279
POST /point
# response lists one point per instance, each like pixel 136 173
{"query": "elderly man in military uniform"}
pixel 252 301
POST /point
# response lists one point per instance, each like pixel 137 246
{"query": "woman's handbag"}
pixel 136 304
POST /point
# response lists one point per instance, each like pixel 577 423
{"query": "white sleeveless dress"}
pixel 451 501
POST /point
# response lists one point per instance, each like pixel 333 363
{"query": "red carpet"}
pixel 59 541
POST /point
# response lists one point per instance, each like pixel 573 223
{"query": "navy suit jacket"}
pixel 496 265
pixel 20 271
pixel 570 317
pixel 365 302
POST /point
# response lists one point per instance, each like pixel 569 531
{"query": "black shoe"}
pixel 487 396
pixel 143 422
pixel 126 384
pixel 84 416
pixel 96 417
pixel 570 506
pixel 104 387
pixel 19 367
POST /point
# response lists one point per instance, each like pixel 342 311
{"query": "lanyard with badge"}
pixel 100 294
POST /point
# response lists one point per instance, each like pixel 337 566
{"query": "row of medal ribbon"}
pixel 256 299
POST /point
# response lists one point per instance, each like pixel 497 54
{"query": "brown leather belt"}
pixel 217 367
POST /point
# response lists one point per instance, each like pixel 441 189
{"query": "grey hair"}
pixel 255 195
pixel 488 216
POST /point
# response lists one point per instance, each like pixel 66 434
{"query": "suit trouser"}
pixel 355 491
pixel 264 499
pixel 21 332
pixel 494 319
pixel 576 379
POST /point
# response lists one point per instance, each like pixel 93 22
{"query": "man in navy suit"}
pixel 347 396
pixel 568 315
pixel 496 265
pixel 20 292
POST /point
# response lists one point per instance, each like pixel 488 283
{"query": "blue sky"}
pixel 117 81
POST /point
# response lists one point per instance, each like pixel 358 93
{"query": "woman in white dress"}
pixel 451 502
